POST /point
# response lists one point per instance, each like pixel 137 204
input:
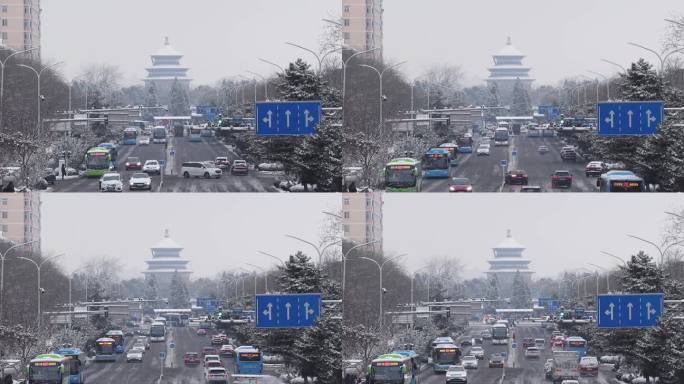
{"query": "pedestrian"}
pixel 63 170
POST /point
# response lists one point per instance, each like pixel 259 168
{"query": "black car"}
pixel 516 177
pixel 468 341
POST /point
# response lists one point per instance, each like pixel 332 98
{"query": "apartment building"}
pixel 362 218
pixel 362 25
pixel 20 218
pixel 20 25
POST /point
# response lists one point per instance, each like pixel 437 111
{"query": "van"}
pixel 200 169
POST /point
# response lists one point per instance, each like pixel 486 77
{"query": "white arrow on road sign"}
pixel 610 312
pixel 269 312
pixel 649 310
pixel 611 119
pixel 629 310
pixel 172 345
pixel 307 310
pixel 269 120
pixel 287 117
pixel 287 310
pixel 307 118
pixel 629 117
pixel 649 118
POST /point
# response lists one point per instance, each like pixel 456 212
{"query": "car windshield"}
pixel 140 176
pixel 460 181
pixel 133 160
pixel 476 349
pixel 469 358
pixel 430 162
pixel 562 173
pixel 456 368
pixel 110 178
pixel 151 162
pixel 400 176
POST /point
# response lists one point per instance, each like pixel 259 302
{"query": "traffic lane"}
pixel 540 167
pixel 206 150
pixel 186 340
pixel 121 371
pixel 226 183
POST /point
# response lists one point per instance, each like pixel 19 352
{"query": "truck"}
pixel 565 366
pixel 9 370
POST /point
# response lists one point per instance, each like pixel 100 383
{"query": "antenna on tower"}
pixel 166 40
pixel 509 41
pixel 166 233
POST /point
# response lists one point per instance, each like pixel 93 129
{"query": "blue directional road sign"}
pixel 629 118
pixel 514 345
pixel 172 345
pixel 162 355
pixel 629 311
pixel 162 163
pixel 289 118
pixel 551 305
pixel 503 163
pixel 287 311
pixel 209 305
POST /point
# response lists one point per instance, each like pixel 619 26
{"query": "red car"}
pixel 460 184
pixel 227 350
pixel 239 167
pixel 209 351
pixel 191 358
pixel 528 342
pixel 561 179
pixel 516 177
pixel 134 163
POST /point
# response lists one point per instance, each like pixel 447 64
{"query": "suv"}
pixel 561 179
pixel 596 168
pixel 516 177
pixel 221 162
pixel 199 169
pixel 568 153
pixel 239 167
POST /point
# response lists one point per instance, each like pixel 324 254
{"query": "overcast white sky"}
pixel 559 231
pixel 225 37
pixel 218 231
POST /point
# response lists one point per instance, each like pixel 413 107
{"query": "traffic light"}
pixel 106 312
pixel 448 314
pixel 106 119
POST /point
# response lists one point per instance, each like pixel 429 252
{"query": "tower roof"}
pixel 167 50
pixel 509 243
pixel 509 50
pixel 167 243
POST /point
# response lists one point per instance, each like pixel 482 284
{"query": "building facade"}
pixel 166 68
pixel 165 262
pixel 20 218
pixel 507 70
pixel 507 261
pixel 20 25
pixel 362 218
pixel 362 25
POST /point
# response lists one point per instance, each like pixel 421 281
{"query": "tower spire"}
pixel 509 41
pixel 508 233
pixel 166 40
pixel 166 233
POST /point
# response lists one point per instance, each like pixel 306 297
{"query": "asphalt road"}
pixel 149 371
pixel 486 174
pixel 519 369
pixel 184 150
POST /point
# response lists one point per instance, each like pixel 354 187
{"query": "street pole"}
pixel 381 74
pixel 344 267
pixel 319 251
pixel 255 85
pixel 265 277
pixel 2 83
pixel 38 267
pixel 607 275
pixel 38 74
pixel 344 77
pixel 2 274
pixel 607 82
pixel 380 268
pixel 413 276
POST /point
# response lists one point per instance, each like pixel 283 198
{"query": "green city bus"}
pixel 98 161
pixel 402 175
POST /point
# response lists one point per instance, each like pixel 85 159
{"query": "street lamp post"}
pixel 607 83
pixel 344 266
pixel 380 267
pixel 2 80
pixel 273 64
pixel 607 277
pixel 38 267
pixel 661 57
pixel 615 257
pixel 38 74
pixel 265 276
pixel 318 57
pixel 274 257
pixel 320 251
pixel 380 76
pixel 656 246
pixel 265 85
pixel 2 274
pixel 344 77
pixel 413 277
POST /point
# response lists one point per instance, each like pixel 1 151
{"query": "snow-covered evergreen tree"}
pixel 521 104
pixel 520 297
pixel 151 287
pixel 178 297
pixel 151 96
pixel 179 105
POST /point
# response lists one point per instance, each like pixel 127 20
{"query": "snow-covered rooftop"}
pixel 509 243
pixel 509 50
pixel 167 243
pixel 167 50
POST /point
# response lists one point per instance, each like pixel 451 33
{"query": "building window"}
pixel 347 36
pixel 4 8
pixel 346 228
pixel 346 22
pixel 346 214
pixel 4 36
pixel 346 9
pixel 369 10
pixel 3 214
pixel 3 228
pixel 4 22
pixel 345 201
pixel 3 201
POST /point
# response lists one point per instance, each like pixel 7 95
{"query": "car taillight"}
pixel 514 176
pixel 555 177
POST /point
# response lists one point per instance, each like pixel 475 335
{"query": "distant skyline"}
pixel 224 38
pixel 559 232
pixel 218 232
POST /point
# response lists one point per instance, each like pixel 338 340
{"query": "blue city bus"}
pixel 576 344
pixel 104 349
pixel 436 163
pixel 248 360
pixel 620 181
pixel 130 136
pixel 465 144
pixel 444 355
pixel 118 337
pixel 75 366
pixel 453 151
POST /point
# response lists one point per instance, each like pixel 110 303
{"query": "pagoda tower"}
pixel 166 260
pixel 508 68
pixel 166 68
pixel 507 261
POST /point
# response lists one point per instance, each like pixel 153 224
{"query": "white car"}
pixel 152 167
pixel 140 180
pixel 217 375
pixel 532 352
pixel 145 140
pixel 456 374
pixel 483 149
pixel 209 358
pixel 138 348
pixel 134 355
pixel 478 352
pixel 469 362
pixel 200 169
pixel 111 182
